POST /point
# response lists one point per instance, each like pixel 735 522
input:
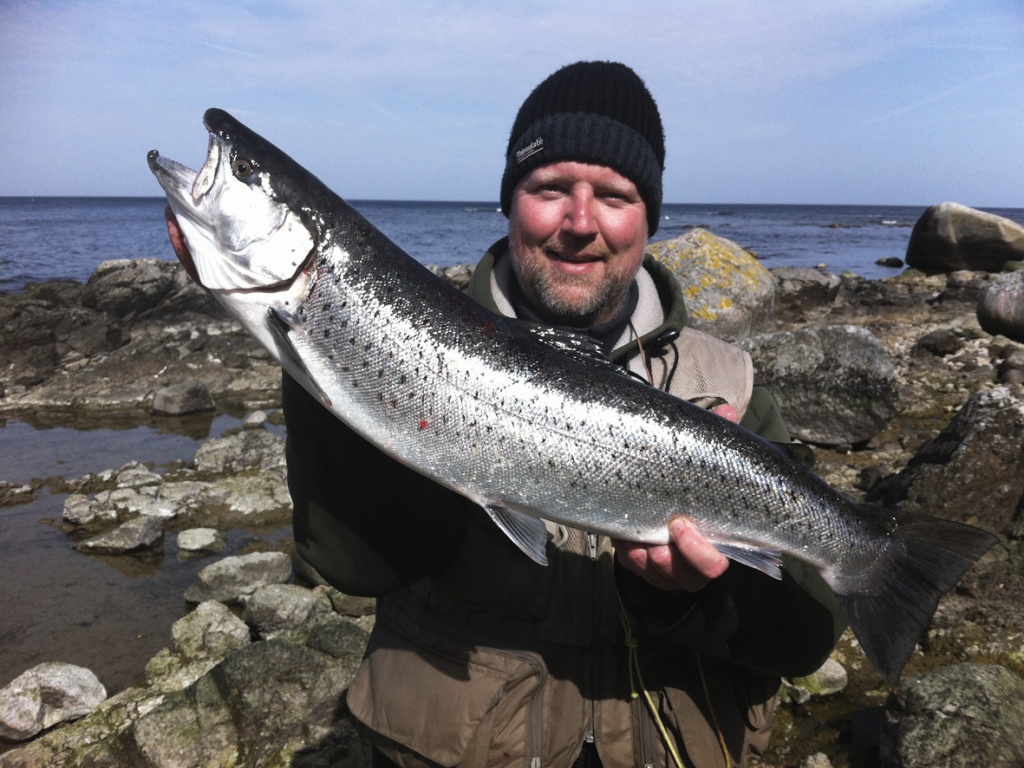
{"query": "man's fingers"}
pixel 699 553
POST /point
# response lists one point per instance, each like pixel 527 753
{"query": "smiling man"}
pixel 481 657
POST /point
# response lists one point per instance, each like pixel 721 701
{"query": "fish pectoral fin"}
pixel 526 532
pixel 763 560
pixel 280 323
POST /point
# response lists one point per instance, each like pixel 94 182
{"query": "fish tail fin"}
pixel 889 624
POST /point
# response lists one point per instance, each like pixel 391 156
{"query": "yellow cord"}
pixel 711 709
pixel 636 679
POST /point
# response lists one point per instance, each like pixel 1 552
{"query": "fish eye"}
pixel 242 167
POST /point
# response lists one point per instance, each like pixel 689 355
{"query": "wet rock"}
pixel 1001 306
pixel 119 503
pixel 15 493
pixel 949 236
pixel 210 631
pixel 973 467
pixel 136 475
pixel 45 695
pixel 255 420
pixel 140 533
pixel 728 292
pixel 200 541
pixel 834 385
pixel 79 510
pixel 233 579
pixel 965 716
pixel 183 398
pixel 277 607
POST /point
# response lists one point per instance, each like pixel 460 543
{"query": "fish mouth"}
pixel 175 178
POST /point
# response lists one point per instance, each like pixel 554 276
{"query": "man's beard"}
pixel 578 309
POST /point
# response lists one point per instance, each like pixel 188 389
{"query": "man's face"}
pixel 578 234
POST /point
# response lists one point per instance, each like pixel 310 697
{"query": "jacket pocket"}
pixel 441 699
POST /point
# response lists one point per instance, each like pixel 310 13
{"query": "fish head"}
pixel 238 214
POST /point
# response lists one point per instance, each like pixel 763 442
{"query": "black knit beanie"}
pixel 596 112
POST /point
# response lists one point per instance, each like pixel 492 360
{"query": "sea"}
pixel 48 238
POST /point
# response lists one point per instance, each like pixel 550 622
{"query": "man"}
pixel 614 654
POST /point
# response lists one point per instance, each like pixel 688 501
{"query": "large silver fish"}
pixel 527 422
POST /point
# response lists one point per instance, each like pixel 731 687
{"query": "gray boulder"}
pixel 965 716
pixel 200 541
pixel 1001 306
pixel 45 695
pixel 234 579
pixel 182 399
pixel 728 292
pixel 949 236
pixel 834 385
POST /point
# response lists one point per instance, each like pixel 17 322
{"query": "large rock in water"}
pixel 729 293
pixel 965 716
pixel 949 236
pixel 1001 306
pixel 834 385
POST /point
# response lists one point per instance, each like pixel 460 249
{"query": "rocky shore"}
pixel 906 397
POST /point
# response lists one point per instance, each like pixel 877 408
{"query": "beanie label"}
pixel 531 149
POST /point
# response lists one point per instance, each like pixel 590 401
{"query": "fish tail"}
pixel 888 624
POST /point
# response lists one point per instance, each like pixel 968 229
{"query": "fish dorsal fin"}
pixel 573 343
pixel 766 561
pixel 528 533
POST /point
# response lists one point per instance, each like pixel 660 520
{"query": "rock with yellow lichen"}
pixel 728 292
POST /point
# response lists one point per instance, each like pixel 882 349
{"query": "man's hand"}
pixel 689 562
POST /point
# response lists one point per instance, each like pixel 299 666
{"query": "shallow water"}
pixel 108 613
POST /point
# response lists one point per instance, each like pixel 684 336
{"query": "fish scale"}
pixel 529 422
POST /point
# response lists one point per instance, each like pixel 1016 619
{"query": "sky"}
pixel 865 102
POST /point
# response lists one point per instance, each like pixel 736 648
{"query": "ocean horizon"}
pixel 55 238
